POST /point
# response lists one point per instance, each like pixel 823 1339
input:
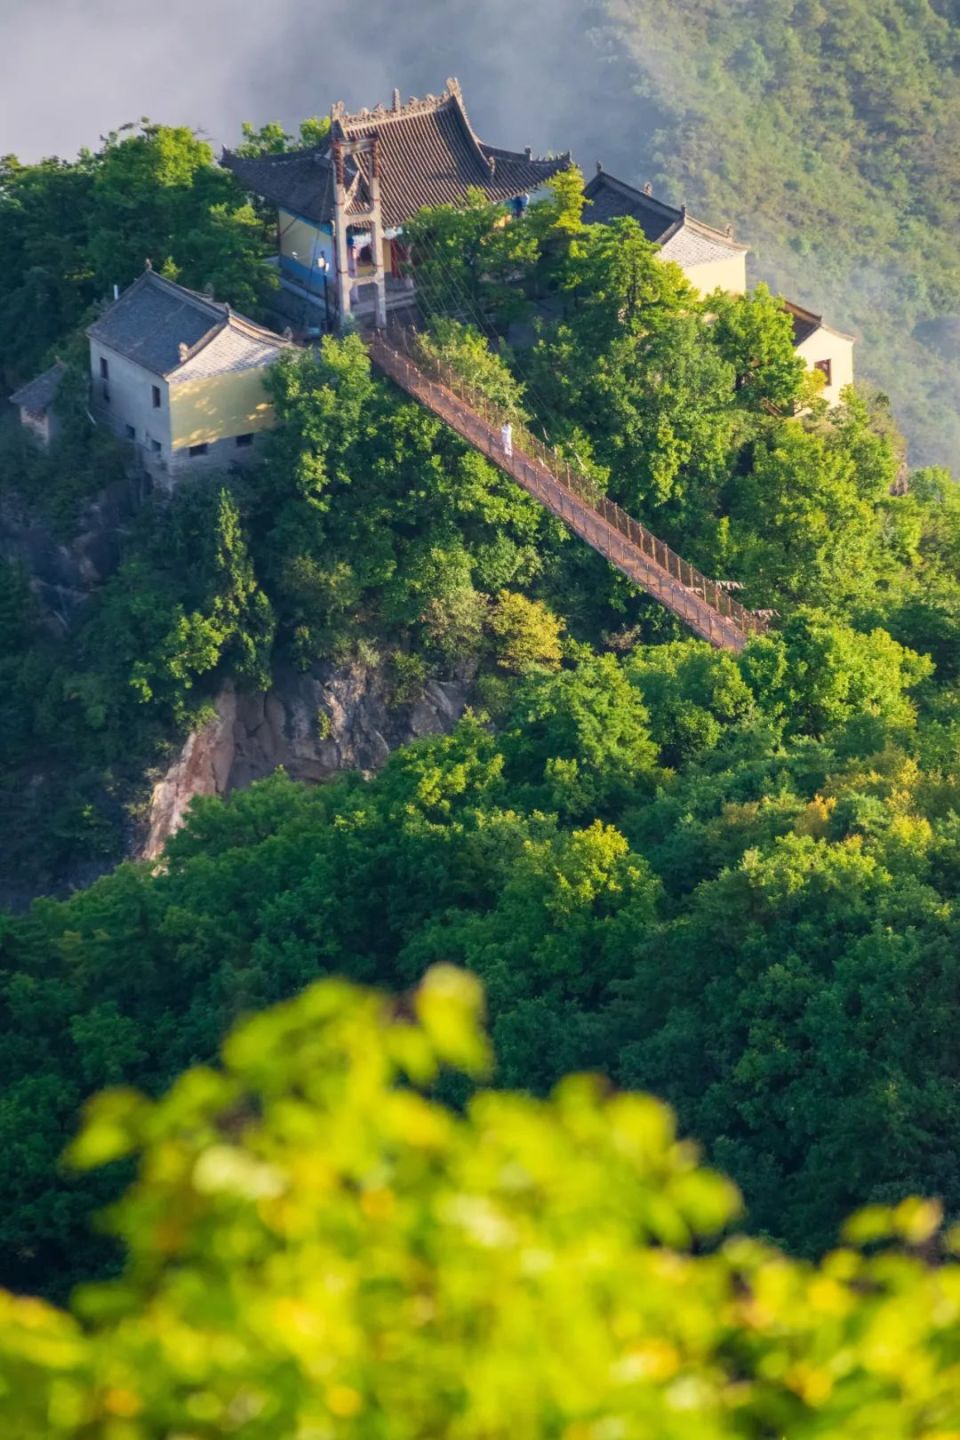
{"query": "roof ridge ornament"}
pixel 398 110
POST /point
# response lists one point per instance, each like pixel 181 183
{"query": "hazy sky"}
pixel 534 73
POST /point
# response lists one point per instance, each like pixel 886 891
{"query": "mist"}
pixel 543 73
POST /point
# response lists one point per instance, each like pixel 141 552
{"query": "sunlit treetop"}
pixel 317 1249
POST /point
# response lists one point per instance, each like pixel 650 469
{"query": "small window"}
pixel 104 369
pixel 244 441
pixel 155 446
pixel 131 432
pixel 156 397
pixel 196 450
pixel 826 368
pixel 105 392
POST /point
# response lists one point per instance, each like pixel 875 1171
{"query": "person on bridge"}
pixel 506 435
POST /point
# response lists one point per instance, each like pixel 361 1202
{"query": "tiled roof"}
pixel 694 244
pixel 232 348
pixel 38 394
pixel 807 323
pixel 301 182
pixel 429 155
pixel 681 238
pixel 154 318
pixel 611 198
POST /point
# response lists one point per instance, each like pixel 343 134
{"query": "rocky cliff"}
pixel 313 725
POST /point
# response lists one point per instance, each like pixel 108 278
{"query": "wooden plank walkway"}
pixel 702 604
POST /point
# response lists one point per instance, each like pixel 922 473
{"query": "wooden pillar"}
pixel 340 236
pixel 376 235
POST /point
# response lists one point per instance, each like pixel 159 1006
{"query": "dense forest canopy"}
pixel 732 881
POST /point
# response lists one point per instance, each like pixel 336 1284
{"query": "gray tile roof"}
pixel 611 198
pixel 301 182
pixel 682 238
pixel 807 323
pixel 237 346
pixel 429 155
pixel 39 394
pixel 154 318
pixel 694 244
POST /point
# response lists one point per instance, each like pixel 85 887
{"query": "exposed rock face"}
pixel 202 768
pixel 313 725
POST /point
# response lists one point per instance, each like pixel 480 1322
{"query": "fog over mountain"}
pixel 541 74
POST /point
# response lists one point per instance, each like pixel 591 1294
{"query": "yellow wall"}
pixel 729 275
pixel 823 345
pixel 216 407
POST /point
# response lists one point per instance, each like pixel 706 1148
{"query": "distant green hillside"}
pixel 831 135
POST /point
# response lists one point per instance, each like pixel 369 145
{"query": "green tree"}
pixel 468 258
pixel 755 334
pixel 579 739
pixel 692 693
pixel 316 1245
pixel 158 195
pixel 801 531
pixel 272 139
pixel 819 675
pixel 631 365
pixel 463 349
pixel 45 285
pixel 526 635
pixel 376 517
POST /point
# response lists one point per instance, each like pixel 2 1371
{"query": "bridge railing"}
pixel 405 346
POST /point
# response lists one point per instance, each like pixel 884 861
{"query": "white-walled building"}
pixel 713 260
pixel 181 376
pixel 823 348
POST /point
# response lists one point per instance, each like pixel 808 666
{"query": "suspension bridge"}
pixel 704 605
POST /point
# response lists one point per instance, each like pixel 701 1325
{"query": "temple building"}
pixel 342 205
pixel 823 348
pixel 181 376
pixel 713 260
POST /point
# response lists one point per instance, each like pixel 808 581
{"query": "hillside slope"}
pixel 831 136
